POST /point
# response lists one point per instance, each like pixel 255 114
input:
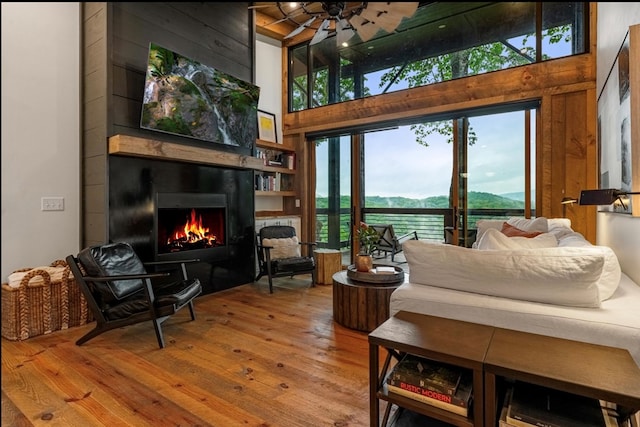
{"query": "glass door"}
pixel 333 192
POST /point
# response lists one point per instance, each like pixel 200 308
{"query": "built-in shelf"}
pixel 276 174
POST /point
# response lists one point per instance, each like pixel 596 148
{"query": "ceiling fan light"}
pixel 344 32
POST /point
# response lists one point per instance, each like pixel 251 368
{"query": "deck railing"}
pixel 430 224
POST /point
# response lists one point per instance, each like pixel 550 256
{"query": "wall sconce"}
pixel 604 197
pixel 567 201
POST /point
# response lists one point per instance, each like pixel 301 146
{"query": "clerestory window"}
pixel 442 41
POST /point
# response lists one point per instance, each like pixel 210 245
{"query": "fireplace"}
pixel 221 196
pixel 190 225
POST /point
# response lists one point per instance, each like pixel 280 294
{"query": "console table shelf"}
pixel 497 355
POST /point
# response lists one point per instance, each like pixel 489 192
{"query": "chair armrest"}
pixel 182 261
pixel 125 277
pixel 413 235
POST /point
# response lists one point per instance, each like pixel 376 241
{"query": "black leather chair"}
pixel 280 254
pixel 119 291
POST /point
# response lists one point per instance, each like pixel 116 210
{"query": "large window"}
pixel 442 41
pixel 436 177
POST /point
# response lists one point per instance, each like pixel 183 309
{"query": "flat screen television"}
pixel 185 97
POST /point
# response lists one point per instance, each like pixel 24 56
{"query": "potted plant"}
pixel 368 239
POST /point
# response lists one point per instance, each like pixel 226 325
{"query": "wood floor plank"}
pixel 250 359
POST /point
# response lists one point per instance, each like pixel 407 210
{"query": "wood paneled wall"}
pixel 116 37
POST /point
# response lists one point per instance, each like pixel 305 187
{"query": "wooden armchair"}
pixel 280 254
pixel 120 292
pixel 389 241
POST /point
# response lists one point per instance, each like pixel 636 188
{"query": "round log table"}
pixel 360 305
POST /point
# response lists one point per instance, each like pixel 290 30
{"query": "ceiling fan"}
pixel 345 19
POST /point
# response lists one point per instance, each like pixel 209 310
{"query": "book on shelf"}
pixel 502 422
pixel 425 373
pixel 458 403
pixel 537 406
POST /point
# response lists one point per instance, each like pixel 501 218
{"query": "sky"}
pixel 396 165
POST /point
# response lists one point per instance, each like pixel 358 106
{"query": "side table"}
pixel 360 305
pixel 328 261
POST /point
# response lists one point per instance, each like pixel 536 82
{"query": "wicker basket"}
pixel 43 306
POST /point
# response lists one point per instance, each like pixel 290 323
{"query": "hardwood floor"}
pixel 249 359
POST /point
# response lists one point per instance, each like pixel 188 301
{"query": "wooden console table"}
pixel 495 355
pixel 591 370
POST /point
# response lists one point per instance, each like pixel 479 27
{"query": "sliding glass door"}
pixel 436 177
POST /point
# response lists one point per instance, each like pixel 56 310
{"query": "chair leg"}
pixel 192 310
pixel 90 335
pixel 157 325
pixel 270 285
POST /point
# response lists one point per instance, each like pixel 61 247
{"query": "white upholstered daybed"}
pixel 574 290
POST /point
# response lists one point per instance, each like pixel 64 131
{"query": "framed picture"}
pixel 267 126
pixel 616 135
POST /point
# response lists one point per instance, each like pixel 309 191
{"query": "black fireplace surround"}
pixel 220 197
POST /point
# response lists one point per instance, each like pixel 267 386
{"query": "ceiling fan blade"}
pixel 384 19
pixel 406 9
pixel 365 29
pixel 300 29
pixel 322 33
pixel 344 31
pixel 388 15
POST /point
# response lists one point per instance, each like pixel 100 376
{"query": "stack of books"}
pixel 530 405
pixel 438 384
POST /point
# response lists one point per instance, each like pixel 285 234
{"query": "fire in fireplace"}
pixel 190 222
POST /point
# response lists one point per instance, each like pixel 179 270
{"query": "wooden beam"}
pixel 126 145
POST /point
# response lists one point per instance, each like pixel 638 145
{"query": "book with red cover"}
pixel 458 403
pixel 425 373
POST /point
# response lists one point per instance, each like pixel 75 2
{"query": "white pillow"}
pixel 283 248
pixel 611 273
pixel 527 224
pixel 558 222
pixel 561 276
pixel 494 239
pixel 536 224
pixel 482 225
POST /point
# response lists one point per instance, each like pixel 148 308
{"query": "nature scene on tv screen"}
pixel 185 97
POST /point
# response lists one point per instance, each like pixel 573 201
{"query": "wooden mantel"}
pixel 126 145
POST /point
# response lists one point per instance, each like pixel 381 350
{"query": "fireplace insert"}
pixel 190 225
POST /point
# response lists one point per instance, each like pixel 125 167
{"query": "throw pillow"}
pixel 283 247
pixel 496 240
pixel 530 224
pixel 561 276
pixel 482 225
pixel 511 231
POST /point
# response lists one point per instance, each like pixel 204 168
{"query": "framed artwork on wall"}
pixel 617 140
pixel 267 126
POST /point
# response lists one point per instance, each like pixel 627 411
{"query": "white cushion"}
pixel 562 276
pixel 611 272
pixel 55 275
pixel 284 247
pixel 527 224
pixel 524 224
pixel 493 239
